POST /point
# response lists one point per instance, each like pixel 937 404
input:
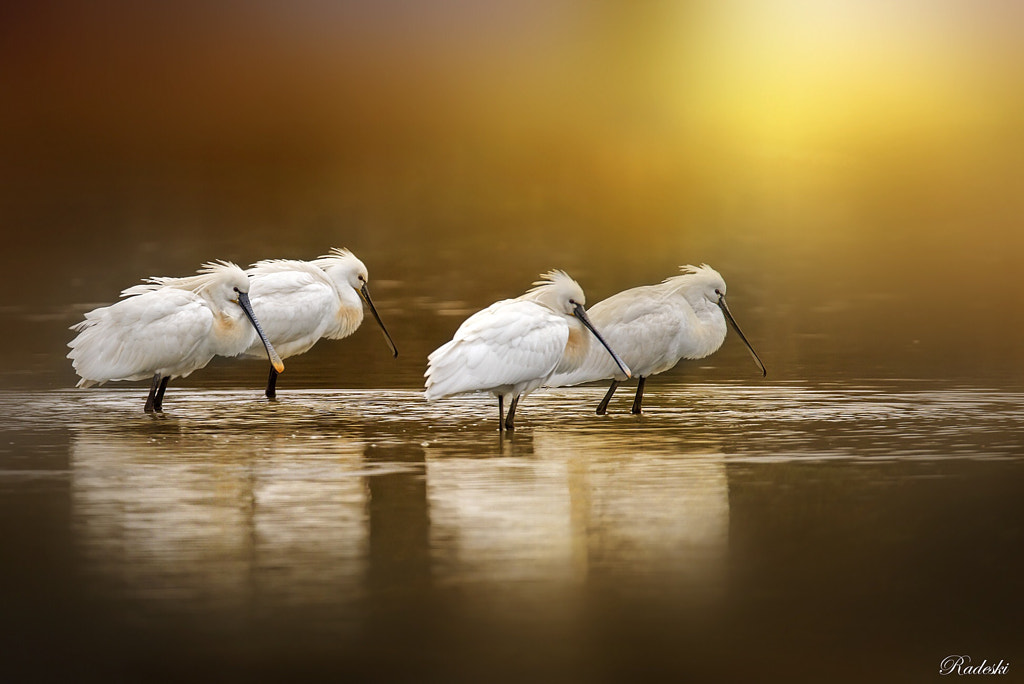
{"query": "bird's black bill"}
pixel 732 321
pixel 275 360
pixel 366 296
pixel 581 314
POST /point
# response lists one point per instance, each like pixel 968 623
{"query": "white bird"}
pixel 654 326
pixel 513 346
pixel 168 328
pixel 299 302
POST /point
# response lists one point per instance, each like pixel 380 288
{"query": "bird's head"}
pixel 344 268
pixel 558 292
pixel 228 282
pixel 220 281
pixel 701 284
pixel 705 284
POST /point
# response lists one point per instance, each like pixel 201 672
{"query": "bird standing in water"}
pixel 299 302
pixel 654 326
pixel 513 346
pixel 168 328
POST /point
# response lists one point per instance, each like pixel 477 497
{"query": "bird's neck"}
pixel 232 331
pixel 349 314
pixel 347 319
pixel 576 347
pixel 709 333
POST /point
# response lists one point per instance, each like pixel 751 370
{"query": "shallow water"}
pixel 733 530
pixel 853 174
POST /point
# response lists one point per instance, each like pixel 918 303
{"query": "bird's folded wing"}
pixel 137 336
pixel 507 343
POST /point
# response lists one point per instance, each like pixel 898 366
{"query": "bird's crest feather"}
pixel 336 255
pixel 687 273
pixel 267 266
pixel 551 278
pixel 210 272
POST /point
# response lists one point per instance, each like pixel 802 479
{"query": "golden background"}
pixel 854 169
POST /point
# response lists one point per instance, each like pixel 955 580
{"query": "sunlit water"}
pixel 370 532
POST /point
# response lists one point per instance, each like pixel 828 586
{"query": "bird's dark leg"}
pixel 501 412
pixel 602 408
pixel 151 399
pixel 639 395
pixel 510 419
pixel 272 383
pixel 158 401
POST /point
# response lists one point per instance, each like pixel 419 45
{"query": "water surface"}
pixel 731 530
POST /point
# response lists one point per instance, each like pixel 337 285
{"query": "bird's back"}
pixel 295 304
pixel 156 330
pixel 511 346
pixel 644 325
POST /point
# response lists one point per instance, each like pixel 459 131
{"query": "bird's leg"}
pixel 272 383
pixel 501 412
pixel 158 400
pixel 510 420
pixel 151 399
pixel 639 395
pixel 602 408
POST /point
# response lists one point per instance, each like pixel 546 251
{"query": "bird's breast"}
pixel 346 321
pixel 576 348
pixel 231 334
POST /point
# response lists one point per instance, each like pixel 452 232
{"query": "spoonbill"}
pixel 654 326
pixel 167 328
pixel 299 302
pixel 513 346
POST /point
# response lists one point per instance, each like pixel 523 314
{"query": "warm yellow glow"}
pixel 807 73
pixel 846 143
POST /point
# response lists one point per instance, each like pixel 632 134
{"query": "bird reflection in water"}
pixel 572 509
pixel 191 518
pixel 199 520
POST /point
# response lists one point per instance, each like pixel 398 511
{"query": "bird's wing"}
pixel 639 324
pixel 156 331
pixel 507 343
pixel 141 289
pixel 294 308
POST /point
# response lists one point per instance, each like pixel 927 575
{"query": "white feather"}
pixel 653 327
pixel 513 346
pixel 169 327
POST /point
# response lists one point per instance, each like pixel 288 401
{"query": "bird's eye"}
pixel 719 292
pixel 361 278
pixel 237 290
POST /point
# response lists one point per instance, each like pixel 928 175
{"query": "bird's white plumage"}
pixel 297 304
pixel 514 346
pixel 654 326
pixel 349 276
pixel 168 326
pixel 300 302
pixel 509 348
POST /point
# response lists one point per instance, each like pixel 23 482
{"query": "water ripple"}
pixel 739 421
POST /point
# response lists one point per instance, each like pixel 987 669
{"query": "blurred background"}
pixel 854 169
